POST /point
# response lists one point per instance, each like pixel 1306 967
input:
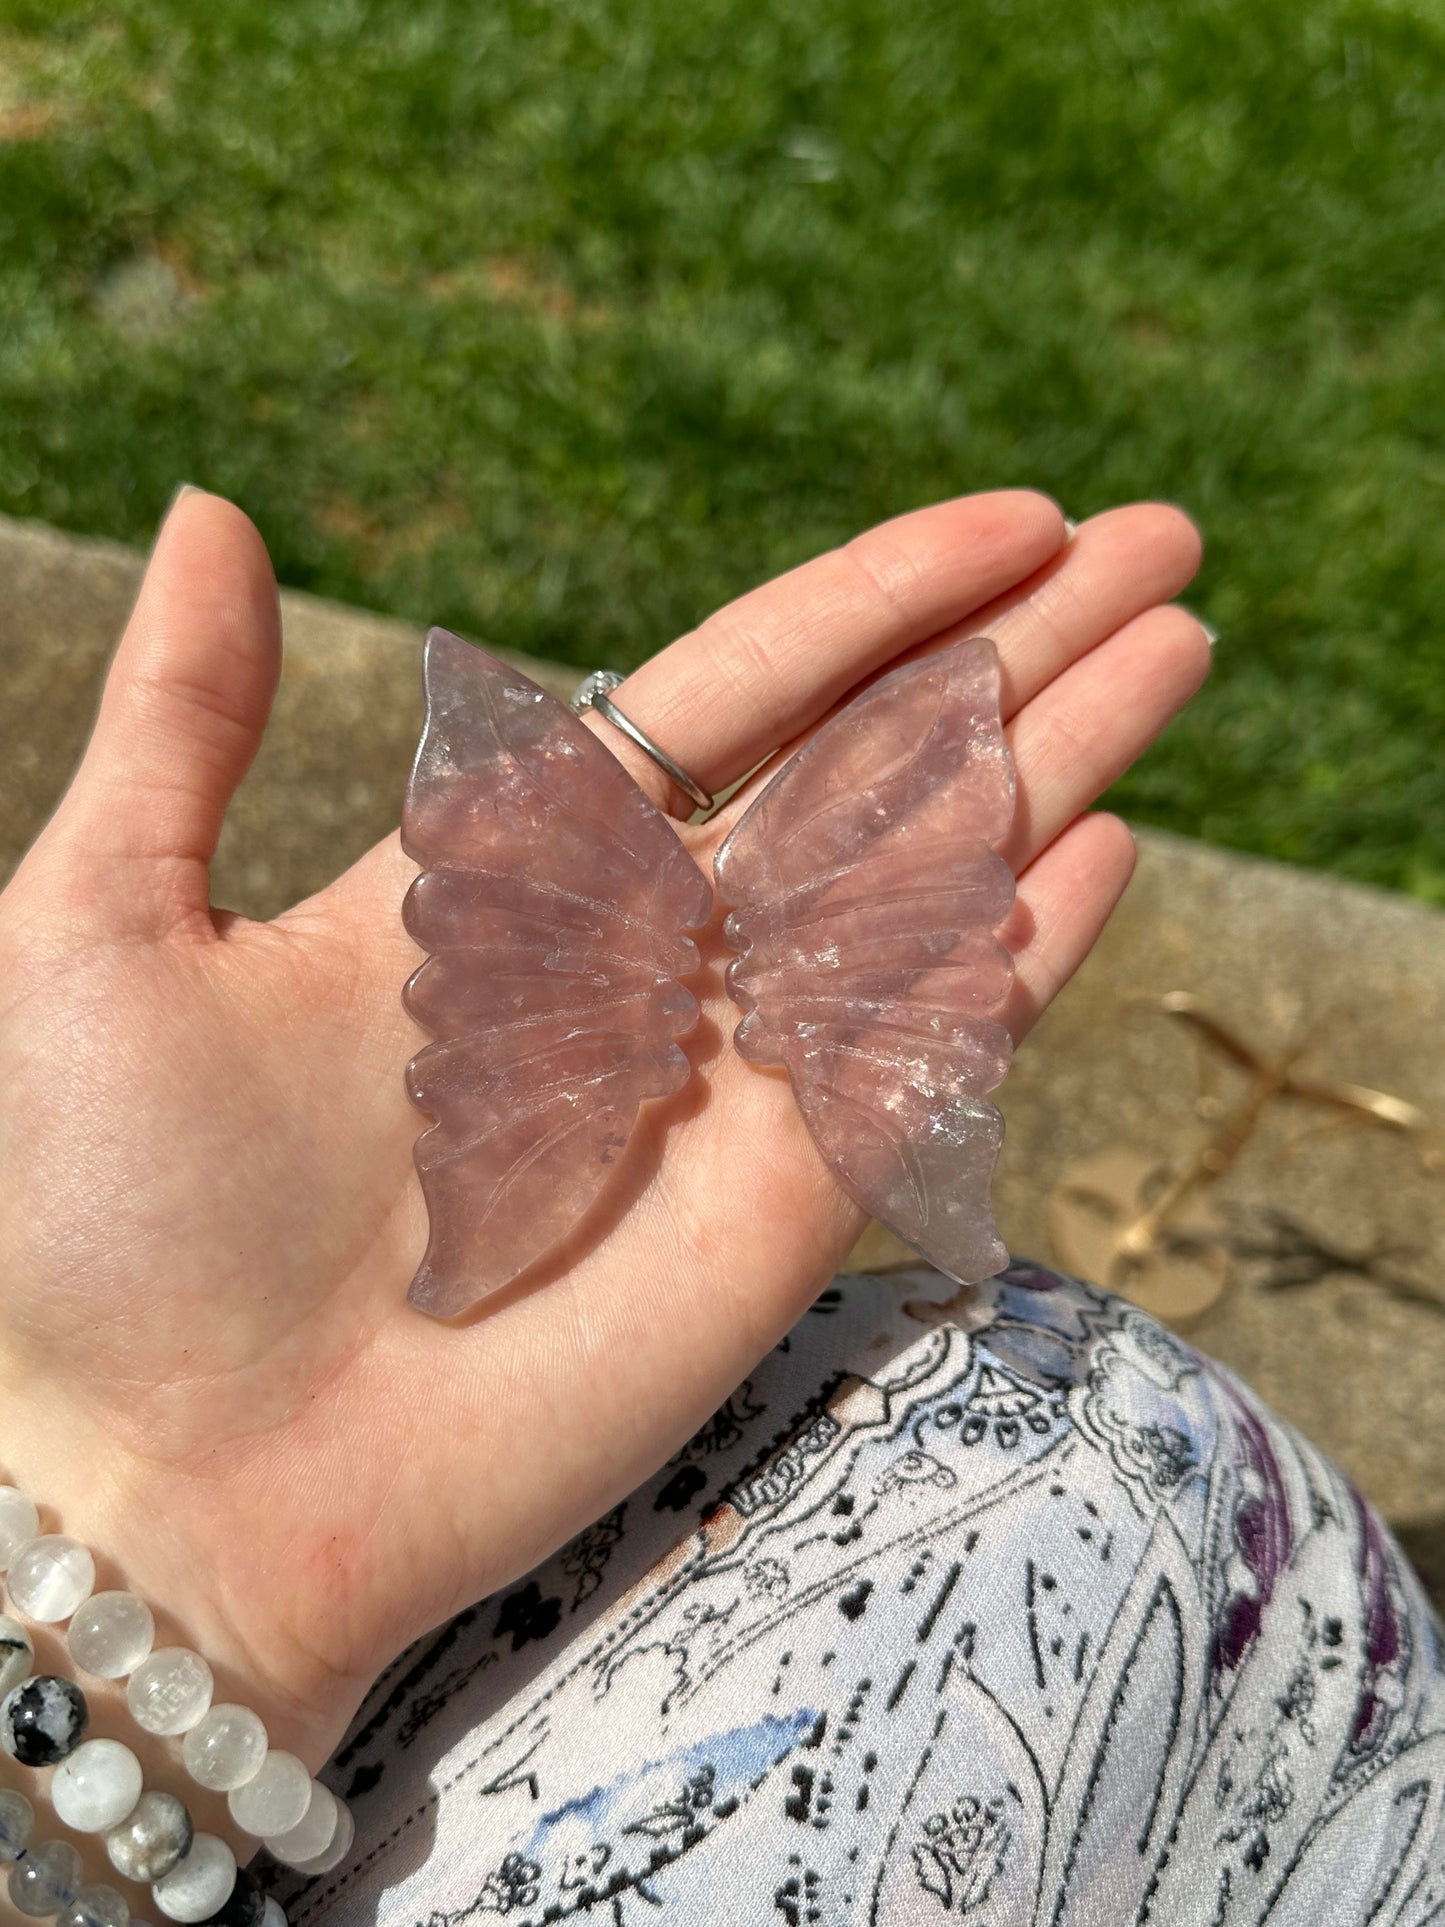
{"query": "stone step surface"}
pixel 1332 1226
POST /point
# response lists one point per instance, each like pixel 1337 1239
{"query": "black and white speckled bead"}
pixel 43 1720
pixel 245 1906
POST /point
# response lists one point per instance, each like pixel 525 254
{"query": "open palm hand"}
pixel 211 1218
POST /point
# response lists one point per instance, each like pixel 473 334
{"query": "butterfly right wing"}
pixel 866 892
pixel 552 902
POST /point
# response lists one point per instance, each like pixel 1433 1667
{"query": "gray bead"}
pixel 17 1653
pixel 47 1880
pixel 155 1837
pixel 17 1823
pixel 96 1906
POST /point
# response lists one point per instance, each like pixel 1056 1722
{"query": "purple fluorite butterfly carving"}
pixel 552 901
pixel 867 889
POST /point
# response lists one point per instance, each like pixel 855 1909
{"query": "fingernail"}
pixel 185 488
pixel 1211 634
pixel 1072 527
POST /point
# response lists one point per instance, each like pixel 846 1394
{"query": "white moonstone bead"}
pixel 19 1522
pixel 273 1914
pixel 201 1884
pixel 111 1634
pixel 17 1653
pixel 342 1837
pixel 313 1832
pixel 276 1799
pixel 96 1906
pixel 169 1691
pixel 225 1749
pixel 97 1786
pixel 49 1577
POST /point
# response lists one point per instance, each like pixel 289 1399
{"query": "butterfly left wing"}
pixel 866 890
pixel 553 901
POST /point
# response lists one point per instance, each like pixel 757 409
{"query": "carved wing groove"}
pixel 552 901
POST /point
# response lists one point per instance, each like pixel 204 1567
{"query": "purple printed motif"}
pixel 1029 1276
pixel 1263 1535
pixel 1385 1648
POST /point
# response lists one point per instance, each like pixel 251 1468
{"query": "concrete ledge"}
pixel 1286 957
pixel 329 778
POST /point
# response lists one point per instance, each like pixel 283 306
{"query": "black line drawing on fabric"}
pixel 774 1483
pixel 726 1429
pixel 700 1623
pixel 428 1655
pixel 796 1896
pixel 959 1853
pixel 914 1468
pixel 797 1427
pixel 439 1695
pixel 514 1883
pixel 765 1578
pixel 583 1872
pixel 676 1820
pixel 681 1489
pixel 584 1559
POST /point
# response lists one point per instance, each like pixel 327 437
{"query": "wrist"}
pixel 166 1529
pixel 111 1702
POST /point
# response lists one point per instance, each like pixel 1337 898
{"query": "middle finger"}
pixel 770 664
pixel 1118 566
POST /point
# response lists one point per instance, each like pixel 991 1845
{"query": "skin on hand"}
pixel 212 1375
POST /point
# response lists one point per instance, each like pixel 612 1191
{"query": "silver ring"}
pixel 592 693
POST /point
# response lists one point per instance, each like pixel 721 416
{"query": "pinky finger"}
pixel 1065 898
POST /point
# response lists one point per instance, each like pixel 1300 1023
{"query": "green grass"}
pixel 563 322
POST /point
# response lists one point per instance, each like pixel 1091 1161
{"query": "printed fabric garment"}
pixel 995 1605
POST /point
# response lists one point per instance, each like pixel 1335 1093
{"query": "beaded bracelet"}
pixel 47 1879
pixel 98 1785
